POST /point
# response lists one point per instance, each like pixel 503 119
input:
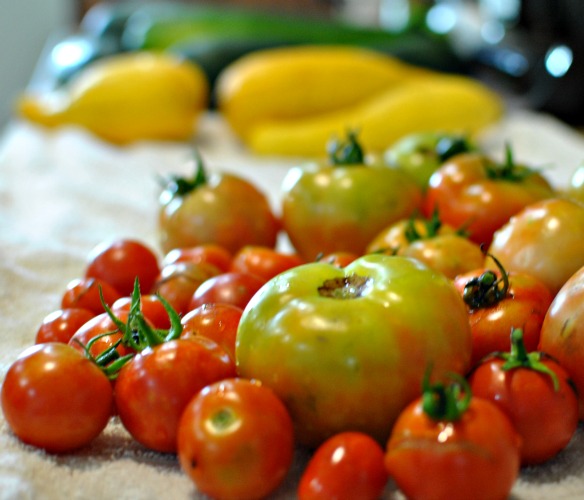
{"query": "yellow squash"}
pixel 297 82
pixel 125 98
pixel 446 103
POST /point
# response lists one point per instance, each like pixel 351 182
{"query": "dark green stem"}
pixel 487 289
pixel 348 152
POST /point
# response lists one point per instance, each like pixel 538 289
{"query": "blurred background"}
pixel 532 50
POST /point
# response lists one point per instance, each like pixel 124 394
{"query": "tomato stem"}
pixel 446 402
pixel 348 152
pixel 176 185
pixel 344 287
pixel 518 357
pixel 486 290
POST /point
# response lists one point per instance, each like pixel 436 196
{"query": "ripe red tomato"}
pixel 55 398
pixel 536 393
pixel 236 440
pixel 450 445
pixel 545 239
pixel 178 282
pixel 236 288
pixel 217 322
pixel 153 389
pixel 264 262
pixel 208 253
pixel 84 293
pixel 562 332
pixel 120 262
pixel 61 325
pixel 473 191
pixel 219 208
pixel 497 302
pixel 346 466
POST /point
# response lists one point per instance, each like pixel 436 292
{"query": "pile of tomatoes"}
pixel 466 280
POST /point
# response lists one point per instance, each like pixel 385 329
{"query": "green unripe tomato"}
pixel 347 349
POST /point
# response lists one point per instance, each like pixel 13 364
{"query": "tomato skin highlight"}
pixel 346 466
pixel 475 457
pixel 236 440
pixel 55 398
pixel 545 418
pixel 152 390
pixel 352 363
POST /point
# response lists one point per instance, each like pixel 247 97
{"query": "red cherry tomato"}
pixel 55 398
pixel 178 282
pixel 209 253
pixel 120 262
pixel 61 325
pixel 451 445
pixel 217 322
pixel 497 302
pixel 234 288
pixel 84 293
pixel 236 440
pixel 346 466
pixel 153 389
pixel 536 394
pixel 264 262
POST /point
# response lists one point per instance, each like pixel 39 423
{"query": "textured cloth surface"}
pixel 63 192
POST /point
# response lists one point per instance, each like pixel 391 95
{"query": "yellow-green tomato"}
pixel 340 205
pixel 347 349
pixel 331 208
pixel 422 153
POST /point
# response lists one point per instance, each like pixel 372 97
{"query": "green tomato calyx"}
pixel 345 287
pixel 488 289
pixel 430 226
pixel 446 402
pixel 176 185
pixel 348 152
pixel 137 334
pixel 509 170
pixel 449 146
pixel 518 357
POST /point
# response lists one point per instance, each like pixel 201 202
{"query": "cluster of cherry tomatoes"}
pixel 153 341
